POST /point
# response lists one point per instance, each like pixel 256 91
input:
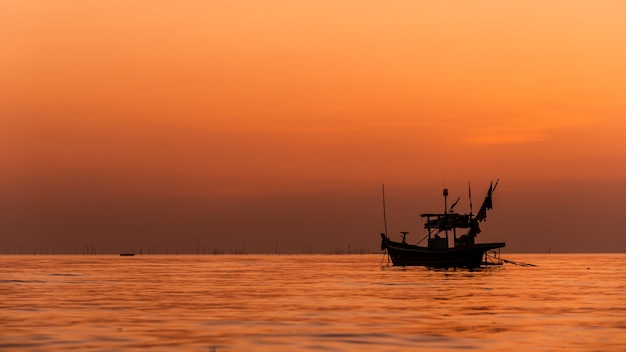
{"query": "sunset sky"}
pixel 264 126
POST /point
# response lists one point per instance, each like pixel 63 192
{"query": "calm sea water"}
pixel 309 303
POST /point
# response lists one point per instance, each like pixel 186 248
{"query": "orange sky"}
pixel 130 124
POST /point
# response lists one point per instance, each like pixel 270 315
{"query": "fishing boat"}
pixel 451 239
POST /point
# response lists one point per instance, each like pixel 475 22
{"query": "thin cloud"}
pixel 520 130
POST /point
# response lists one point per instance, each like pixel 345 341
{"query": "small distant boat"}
pixel 442 227
pixel 127 254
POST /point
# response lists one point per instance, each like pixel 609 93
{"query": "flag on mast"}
pixel 487 204
pixel 454 204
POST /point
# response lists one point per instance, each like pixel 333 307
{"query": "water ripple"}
pixel 314 303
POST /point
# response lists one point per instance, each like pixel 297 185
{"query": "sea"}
pixel 567 302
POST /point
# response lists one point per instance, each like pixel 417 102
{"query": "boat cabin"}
pixel 446 223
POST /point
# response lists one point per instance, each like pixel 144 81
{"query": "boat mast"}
pixel 469 190
pixel 445 210
pixel 384 211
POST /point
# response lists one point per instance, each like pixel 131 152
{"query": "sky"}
pixel 270 126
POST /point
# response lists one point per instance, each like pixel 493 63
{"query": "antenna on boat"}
pixel 384 210
pixel 445 197
pixel 469 189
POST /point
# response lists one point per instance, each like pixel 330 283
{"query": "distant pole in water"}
pixel 384 211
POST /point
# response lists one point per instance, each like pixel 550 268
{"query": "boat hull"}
pixel 470 256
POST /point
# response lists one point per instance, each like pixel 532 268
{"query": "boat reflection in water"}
pixel 442 227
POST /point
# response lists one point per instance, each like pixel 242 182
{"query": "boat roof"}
pixel 441 214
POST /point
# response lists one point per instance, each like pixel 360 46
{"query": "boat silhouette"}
pixel 441 227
